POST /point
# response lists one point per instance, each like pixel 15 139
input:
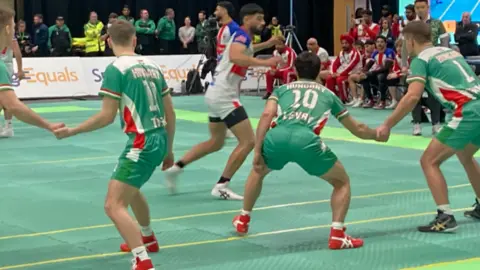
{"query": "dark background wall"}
pixel 314 18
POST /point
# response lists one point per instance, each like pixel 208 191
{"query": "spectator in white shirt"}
pixel 186 35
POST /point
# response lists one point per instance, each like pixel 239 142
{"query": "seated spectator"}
pixel 59 38
pixel 145 34
pixel 24 39
pixel 312 45
pixel 366 50
pixel 386 32
pixel 40 37
pixel 126 15
pixel 94 45
pixel 186 34
pixel 375 74
pixel 395 76
pixel 466 36
pixel 111 19
pixel 348 62
pixel 367 30
pixel 285 71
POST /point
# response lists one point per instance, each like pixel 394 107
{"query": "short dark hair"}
pixel 421 1
pixel 38 15
pixel 382 38
pixel 228 6
pixel 410 7
pixel 359 43
pixel 203 12
pixel 307 66
pixel 121 32
pixel 113 15
pixel 367 12
pixel 418 31
pixel 250 9
pixel 369 42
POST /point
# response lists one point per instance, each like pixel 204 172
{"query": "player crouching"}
pixel 303 110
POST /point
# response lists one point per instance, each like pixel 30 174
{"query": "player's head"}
pixel 281 45
pixel 312 44
pixel 410 12
pixel 307 66
pixel 466 18
pixel 224 11
pixel 37 19
pixel 369 46
pixel 359 45
pixel 126 10
pixel 381 43
pixel 422 8
pixel 417 34
pixel 347 42
pixel 367 16
pixel 252 16
pixel 122 37
pixel 7 26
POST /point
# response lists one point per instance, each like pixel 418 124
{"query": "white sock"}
pixel 446 209
pixel 337 225
pixel 141 253
pixel 245 213
pixel 146 231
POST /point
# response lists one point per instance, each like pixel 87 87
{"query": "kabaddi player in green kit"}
pixel 135 86
pixel 444 74
pixel 302 109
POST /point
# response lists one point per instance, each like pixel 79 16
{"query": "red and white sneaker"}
pixel 150 242
pixel 340 240
pixel 137 264
pixel 240 223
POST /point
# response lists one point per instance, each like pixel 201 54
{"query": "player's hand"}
pixel 392 76
pixel 275 40
pixel 383 133
pixel 259 163
pixel 405 70
pixel 168 161
pixel 63 133
pixel 363 76
pixel 55 126
pixel 20 75
pixel 274 61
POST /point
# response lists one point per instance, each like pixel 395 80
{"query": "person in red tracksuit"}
pixel 348 61
pixel 368 30
pixel 285 71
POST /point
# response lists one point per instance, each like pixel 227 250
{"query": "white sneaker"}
pixel 358 103
pixel 417 130
pixel 229 134
pixel 171 176
pixel 353 101
pixel 436 129
pixel 222 191
pixel 392 105
pixel 6 132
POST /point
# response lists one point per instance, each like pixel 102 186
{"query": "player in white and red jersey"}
pixel 312 45
pixel 6 55
pixel 348 62
pixel 222 98
pixel 368 30
pixel 284 71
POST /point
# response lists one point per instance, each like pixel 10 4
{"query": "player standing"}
pixel 135 85
pixel 447 77
pixel 222 98
pixel 303 108
pixel 8 100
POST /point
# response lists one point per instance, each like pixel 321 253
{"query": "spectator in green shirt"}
pixel 145 34
pixel 59 38
pixel 126 15
pixel 166 32
pixel 200 32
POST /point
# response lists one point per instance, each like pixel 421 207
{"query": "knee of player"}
pixel 247 144
pixel 110 207
pixel 427 161
pixel 216 145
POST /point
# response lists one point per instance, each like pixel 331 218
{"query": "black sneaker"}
pixel 475 213
pixel 442 223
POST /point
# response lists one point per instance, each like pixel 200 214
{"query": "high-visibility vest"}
pixel 93 33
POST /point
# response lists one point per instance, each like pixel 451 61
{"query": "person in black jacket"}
pixel 60 39
pixel 24 39
pixel 466 36
pixel 40 37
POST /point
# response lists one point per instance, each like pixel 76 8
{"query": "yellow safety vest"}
pixel 277 31
pixel 93 33
pixel 257 39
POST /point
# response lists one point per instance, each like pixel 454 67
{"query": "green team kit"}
pixel 303 111
pixel 139 85
pixel 5 79
pixel 449 78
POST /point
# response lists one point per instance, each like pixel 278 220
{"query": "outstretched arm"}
pixel 266 119
pixel 407 104
pixel 358 129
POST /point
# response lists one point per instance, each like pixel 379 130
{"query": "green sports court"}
pixel 52 194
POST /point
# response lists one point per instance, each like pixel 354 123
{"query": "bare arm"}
pixel 102 119
pixel 237 56
pixel 18 55
pixel 264 45
pixel 407 104
pixel 358 129
pixel 264 124
pixel 170 117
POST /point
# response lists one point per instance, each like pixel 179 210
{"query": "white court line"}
pixel 447 9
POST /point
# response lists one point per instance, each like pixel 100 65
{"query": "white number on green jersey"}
pixel 152 95
pixel 309 100
pixel 467 77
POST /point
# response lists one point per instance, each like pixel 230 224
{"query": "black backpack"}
pixel 194 84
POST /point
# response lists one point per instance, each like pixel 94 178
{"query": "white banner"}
pixel 74 76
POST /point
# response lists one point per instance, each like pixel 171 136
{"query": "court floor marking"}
pixel 433 265
pixel 222 240
pixel 101 226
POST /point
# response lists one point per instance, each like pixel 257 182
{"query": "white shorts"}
pixel 220 109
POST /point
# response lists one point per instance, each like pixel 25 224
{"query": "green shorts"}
pixel 142 155
pixel 460 131
pixel 300 145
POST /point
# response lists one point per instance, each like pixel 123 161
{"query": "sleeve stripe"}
pixel 166 91
pixel 110 94
pixel 4 87
pixel 341 114
pixel 273 98
pixel 416 78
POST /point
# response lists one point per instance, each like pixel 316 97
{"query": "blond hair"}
pixel 121 33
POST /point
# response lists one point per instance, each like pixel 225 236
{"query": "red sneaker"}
pixel 240 223
pixel 340 240
pixel 142 265
pixel 150 243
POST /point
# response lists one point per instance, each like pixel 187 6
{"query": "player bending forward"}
pixel 225 109
pixel 303 110
pixel 8 100
pixel 445 75
pixel 135 85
